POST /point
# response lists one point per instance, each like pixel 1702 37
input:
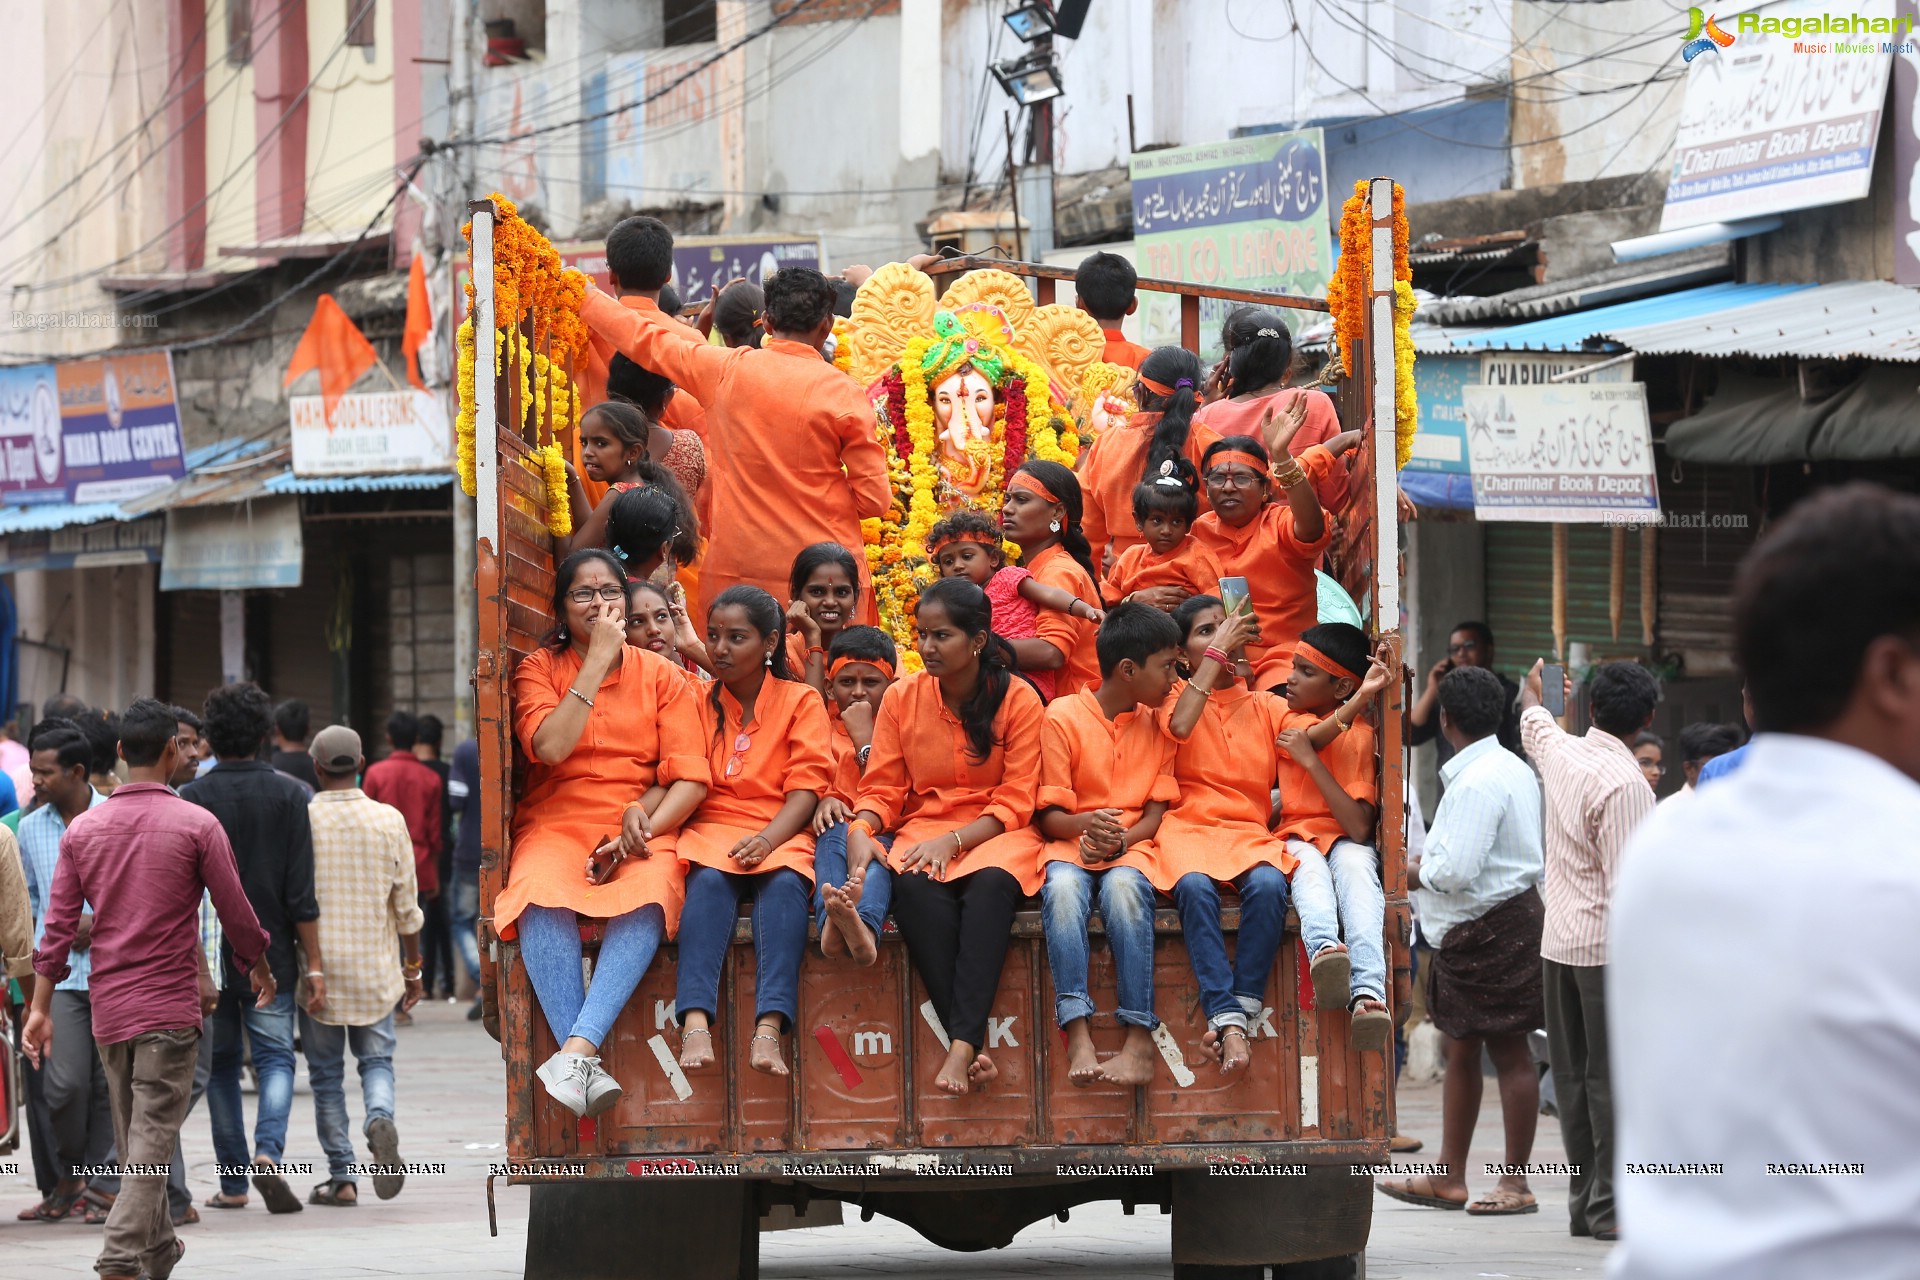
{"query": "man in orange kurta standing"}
pixel 791 451
pixel 640 263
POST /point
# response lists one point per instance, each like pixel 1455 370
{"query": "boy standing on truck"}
pixel 1328 799
pixel 1106 286
pixel 1106 779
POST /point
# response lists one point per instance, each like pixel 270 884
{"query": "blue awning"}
pixel 58 515
pixel 287 482
pixel 1588 330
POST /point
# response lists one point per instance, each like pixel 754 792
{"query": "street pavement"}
pixel 450 1113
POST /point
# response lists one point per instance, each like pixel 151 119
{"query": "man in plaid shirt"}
pixel 363 870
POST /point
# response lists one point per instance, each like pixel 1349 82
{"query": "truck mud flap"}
pixel 647 1229
pixel 1253 1221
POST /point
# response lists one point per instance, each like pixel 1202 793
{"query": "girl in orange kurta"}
pixel 952 775
pixel 1106 778
pixel 766 736
pixel 1274 545
pixel 1254 376
pixel 613 736
pixel 823 594
pixel 1041 514
pixel 1164 430
pixel 1216 833
pixel 615 450
pixel 1171 564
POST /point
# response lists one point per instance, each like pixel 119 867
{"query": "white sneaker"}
pixel 565 1075
pixel 602 1090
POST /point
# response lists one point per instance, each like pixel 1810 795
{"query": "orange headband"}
pixel 1161 388
pixel 1025 480
pixel 881 663
pixel 1322 661
pixel 968 535
pixel 1253 461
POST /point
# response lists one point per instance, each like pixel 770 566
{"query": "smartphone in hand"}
pixel 1553 689
pixel 1235 595
pixel 603 859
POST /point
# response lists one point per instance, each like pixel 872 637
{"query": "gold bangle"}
pixel 1291 476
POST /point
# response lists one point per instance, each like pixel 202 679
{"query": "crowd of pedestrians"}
pixel 186 894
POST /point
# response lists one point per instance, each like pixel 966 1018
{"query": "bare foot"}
pixel 764 1053
pixel 1228 1047
pixel 832 945
pixel 952 1077
pixel 1134 1064
pixel 843 918
pixel 695 1053
pixel 982 1071
pixel 1083 1061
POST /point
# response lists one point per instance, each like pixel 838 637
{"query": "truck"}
pixel 1267 1169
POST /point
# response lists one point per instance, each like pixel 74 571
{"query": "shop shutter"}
pixel 1697 561
pixel 1519 577
pixel 191 623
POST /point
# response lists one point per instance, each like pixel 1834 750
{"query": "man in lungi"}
pixel 1480 909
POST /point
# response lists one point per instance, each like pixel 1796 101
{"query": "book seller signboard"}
pixel 1565 453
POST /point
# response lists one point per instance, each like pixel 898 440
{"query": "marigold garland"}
pixel 1348 297
pixel 532 290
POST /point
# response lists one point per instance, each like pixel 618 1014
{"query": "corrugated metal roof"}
pixel 287 482
pixel 1610 284
pixel 1868 319
pixel 1575 332
pixel 58 515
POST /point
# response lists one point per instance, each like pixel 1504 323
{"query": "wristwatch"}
pixel 862 754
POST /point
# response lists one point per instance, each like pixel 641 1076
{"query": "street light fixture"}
pixel 1031 21
pixel 1030 79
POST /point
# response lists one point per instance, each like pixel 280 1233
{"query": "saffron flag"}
pixel 419 319
pixel 334 345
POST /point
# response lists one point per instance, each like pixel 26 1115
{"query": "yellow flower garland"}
pixel 1406 395
pixel 1348 298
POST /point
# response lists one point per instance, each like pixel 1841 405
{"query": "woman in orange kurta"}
pixel 1258 364
pixel 1165 428
pixel 766 736
pixel 1217 832
pixel 774 411
pixel 1041 514
pixel 613 736
pixel 1274 545
pixel 952 775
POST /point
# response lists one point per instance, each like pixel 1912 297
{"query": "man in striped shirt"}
pixel 1595 797
pixel 1474 887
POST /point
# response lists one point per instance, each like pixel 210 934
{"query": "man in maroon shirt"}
pixel 410 785
pixel 142 859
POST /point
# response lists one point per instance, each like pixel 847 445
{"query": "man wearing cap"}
pixel 363 871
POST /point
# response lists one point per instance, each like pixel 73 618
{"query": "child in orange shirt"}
pixel 1328 795
pixel 824 590
pixel 967 545
pixel 766 739
pixel 851 907
pixel 1170 566
pixel 1106 778
pixel 653 625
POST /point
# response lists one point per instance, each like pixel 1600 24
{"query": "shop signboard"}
pixel 1565 453
pixel 30 436
pixel 104 545
pixel 379 433
pixel 233 547
pixel 119 427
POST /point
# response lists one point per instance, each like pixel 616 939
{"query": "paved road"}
pixel 450 1112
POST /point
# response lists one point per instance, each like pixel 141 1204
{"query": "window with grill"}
pixel 688 22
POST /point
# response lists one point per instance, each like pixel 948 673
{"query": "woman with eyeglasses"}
pixel 765 735
pixel 616 764
pixel 947 799
pixel 1267 527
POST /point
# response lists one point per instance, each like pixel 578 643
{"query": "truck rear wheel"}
pixel 646 1229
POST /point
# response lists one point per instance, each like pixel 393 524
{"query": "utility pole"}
pixel 455 186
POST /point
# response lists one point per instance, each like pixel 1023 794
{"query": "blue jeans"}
pixel 1231 993
pixel 550 948
pixel 326 1048
pixel 779 938
pixel 1126 908
pixel 1340 893
pixel 269 1032
pixel 830 868
pixel 466 915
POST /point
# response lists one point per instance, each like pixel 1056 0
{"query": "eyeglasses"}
pixel 1647 766
pixel 741 745
pixel 1469 647
pixel 587 595
pixel 1234 479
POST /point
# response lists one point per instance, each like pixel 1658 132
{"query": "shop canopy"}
pixel 1753 421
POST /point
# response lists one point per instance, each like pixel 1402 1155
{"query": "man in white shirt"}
pixel 1479 911
pixel 1595 796
pixel 1767 1017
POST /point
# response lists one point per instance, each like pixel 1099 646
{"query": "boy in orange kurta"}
pixel 1106 778
pixel 766 737
pixel 778 411
pixel 850 910
pixel 1328 798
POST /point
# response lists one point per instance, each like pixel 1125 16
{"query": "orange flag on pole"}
pixel 419 319
pixel 334 345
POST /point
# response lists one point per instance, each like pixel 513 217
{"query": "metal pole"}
pixel 460 178
pixel 1013 188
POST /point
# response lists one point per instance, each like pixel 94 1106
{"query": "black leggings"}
pixel 956 932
